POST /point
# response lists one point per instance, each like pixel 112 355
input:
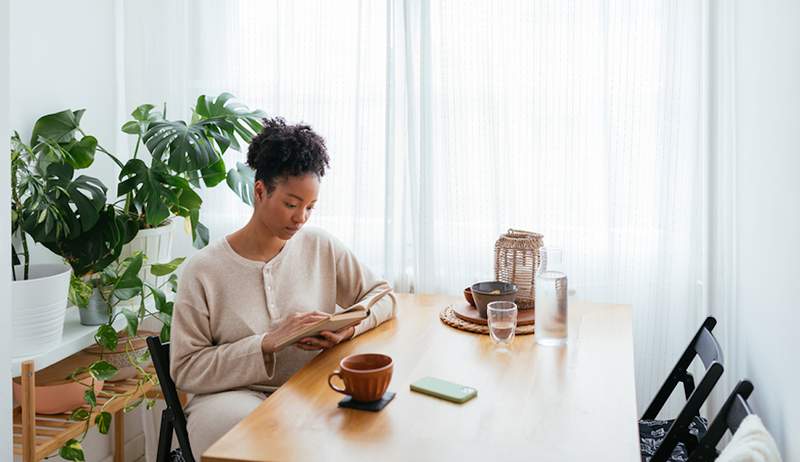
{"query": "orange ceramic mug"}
pixel 366 376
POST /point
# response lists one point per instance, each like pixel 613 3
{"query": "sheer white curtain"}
pixel 450 122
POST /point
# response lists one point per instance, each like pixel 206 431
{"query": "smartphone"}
pixel 444 389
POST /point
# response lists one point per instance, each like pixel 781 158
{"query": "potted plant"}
pixel 123 355
pixel 48 204
pixel 183 157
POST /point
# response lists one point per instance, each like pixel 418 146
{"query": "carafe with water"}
pixel 551 299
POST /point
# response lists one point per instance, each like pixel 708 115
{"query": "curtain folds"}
pixel 449 123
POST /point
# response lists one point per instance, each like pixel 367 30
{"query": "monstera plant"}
pixel 65 213
pixel 183 158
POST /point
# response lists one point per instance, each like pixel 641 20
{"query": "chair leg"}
pixel 164 437
pixel 183 440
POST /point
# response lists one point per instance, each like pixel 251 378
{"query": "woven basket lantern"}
pixel 516 259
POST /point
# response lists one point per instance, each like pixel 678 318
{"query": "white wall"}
pixel 63 57
pixel 767 82
pixel 5 255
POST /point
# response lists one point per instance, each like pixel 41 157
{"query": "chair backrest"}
pixel 730 416
pixel 704 345
pixel 173 417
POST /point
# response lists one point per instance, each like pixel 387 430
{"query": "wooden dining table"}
pixel 535 403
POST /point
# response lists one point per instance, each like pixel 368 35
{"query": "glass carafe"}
pixel 551 299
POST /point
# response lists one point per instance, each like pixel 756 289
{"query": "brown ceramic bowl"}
pixel 492 291
pixel 366 376
pixel 468 296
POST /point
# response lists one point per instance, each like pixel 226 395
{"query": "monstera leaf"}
pixel 60 207
pixel 242 181
pixel 217 124
pixel 152 193
pixel 93 250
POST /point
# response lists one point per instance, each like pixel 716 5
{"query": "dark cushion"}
pixel 652 432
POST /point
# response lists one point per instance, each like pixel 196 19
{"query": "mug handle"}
pixel 336 373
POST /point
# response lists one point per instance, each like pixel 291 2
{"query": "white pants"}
pixel 212 415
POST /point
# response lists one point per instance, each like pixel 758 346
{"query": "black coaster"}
pixel 373 406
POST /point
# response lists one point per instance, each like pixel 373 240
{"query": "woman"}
pixel 266 279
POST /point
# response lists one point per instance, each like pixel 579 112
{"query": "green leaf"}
pixel 187 146
pixel 150 404
pixel 79 292
pixel 173 283
pixel 72 450
pixel 102 370
pixel 199 231
pixel 165 333
pixel 242 180
pixel 81 154
pixel 152 193
pixel 143 112
pixel 131 127
pixel 90 203
pixel 133 321
pixel 129 284
pixel 103 422
pixel 107 337
pixel 133 405
pixel 89 397
pixel 58 127
pixel 214 174
pixel 188 199
pixel 159 298
pixel 163 269
pixel 79 415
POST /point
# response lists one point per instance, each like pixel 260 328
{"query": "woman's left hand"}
pixel 326 339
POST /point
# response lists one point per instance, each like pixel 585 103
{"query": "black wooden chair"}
pixel 730 417
pixel 173 418
pixel 674 440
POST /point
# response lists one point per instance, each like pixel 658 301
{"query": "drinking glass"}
pixel 502 321
pixel 551 299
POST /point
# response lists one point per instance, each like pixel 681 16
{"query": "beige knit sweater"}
pixel 227 303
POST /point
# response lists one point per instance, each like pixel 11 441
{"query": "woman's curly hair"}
pixel 281 151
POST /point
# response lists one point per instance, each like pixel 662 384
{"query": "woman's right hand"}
pixel 290 323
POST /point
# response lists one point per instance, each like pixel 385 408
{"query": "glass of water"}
pixel 551 299
pixel 502 321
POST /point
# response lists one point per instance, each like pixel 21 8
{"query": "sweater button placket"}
pixel 268 292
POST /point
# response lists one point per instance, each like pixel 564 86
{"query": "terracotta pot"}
pixel 55 392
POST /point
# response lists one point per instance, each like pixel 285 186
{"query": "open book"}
pixel 337 321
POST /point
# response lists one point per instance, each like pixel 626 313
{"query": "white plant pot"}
pixel 38 307
pixel 156 244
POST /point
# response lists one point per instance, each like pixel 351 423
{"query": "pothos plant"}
pixel 183 157
pixel 121 281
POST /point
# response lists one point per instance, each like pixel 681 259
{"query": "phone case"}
pixel 444 389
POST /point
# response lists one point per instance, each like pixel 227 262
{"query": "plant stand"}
pixel 38 436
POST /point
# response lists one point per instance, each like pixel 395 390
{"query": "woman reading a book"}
pixel 244 295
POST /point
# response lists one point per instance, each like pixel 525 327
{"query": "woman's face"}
pixel 287 208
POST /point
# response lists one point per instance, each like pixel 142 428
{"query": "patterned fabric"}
pixel 652 432
pixel 176 456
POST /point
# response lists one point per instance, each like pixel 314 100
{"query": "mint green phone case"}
pixel 444 389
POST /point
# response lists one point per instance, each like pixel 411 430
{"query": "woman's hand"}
pixel 326 339
pixel 290 324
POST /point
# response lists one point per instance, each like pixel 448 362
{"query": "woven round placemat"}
pixel 448 316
